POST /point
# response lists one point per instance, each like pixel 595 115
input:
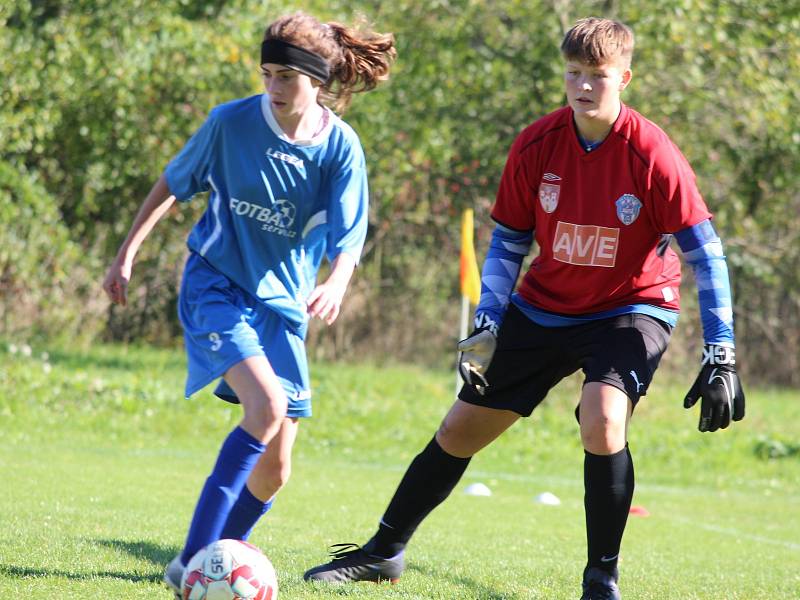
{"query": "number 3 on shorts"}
pixel 216 341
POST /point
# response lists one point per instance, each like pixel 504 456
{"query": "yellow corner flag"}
pixel 470 277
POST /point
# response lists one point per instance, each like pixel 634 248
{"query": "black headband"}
pixel 283 53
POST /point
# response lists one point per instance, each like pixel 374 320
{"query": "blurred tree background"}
pixel 96 97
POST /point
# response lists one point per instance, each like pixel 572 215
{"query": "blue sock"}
pixel 243 516
pixel 239 453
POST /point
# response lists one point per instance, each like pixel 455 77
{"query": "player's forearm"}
pixel 702 249
pixel 155 206
pixel 499 275
pixel 342 269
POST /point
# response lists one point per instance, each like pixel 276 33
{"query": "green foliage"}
pixel 770 448
pixel 43 276
pixel 98 95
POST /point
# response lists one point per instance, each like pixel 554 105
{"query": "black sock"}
pixel 609 482
pixel 429 479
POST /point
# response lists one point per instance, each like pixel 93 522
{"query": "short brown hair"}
pixel 596 41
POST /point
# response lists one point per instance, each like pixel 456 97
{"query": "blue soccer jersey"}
pixel 276 206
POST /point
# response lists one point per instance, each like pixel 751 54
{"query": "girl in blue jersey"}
pixel 287 185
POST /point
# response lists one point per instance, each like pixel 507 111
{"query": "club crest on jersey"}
pixel 548 196
pixel 628 208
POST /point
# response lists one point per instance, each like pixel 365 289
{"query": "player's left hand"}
pixel 326 301
pixel 719 387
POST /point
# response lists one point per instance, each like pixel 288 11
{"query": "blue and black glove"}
pixel 719 387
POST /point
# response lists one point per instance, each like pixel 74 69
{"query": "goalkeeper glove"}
pixel 476 353
pixel 719 387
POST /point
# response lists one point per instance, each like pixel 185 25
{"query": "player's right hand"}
pixel 476 354
pixel 116 283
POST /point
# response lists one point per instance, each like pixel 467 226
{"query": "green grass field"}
pixel 101 461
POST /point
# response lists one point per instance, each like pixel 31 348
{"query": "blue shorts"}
pixel 223 325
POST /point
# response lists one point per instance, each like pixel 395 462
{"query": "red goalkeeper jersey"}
pixel 600 218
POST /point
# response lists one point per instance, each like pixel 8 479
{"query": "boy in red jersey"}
pixel 603 191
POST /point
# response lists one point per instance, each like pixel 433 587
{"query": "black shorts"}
pixel 622 351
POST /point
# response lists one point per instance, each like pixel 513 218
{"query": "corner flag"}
pixel 470 277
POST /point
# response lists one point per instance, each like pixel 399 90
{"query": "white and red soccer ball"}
pixel 229 570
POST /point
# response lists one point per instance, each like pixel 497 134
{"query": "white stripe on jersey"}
pixel 270 195
pixel 215 200
pixel 319 218
pixel 277 173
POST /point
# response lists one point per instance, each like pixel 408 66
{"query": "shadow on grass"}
pixel 478 591
pixel 157 555
pixel 27 572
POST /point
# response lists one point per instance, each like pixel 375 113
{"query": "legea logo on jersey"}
pixel 628 208
pixel 277 219
pixel 292 160
pixel 586 245
pixel 548 196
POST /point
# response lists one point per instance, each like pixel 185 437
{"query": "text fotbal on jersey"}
pixel 586 245
pixel 278 219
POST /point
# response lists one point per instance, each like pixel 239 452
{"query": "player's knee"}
pixel 265 413
pixel 270 474
pixel 447 436
pixel 277 477
pixel 454 440
pixel 603 434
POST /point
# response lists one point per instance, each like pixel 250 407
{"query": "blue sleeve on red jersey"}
pixel 702 249
pixel 499 275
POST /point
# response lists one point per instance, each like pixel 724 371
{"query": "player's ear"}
pixel 627 74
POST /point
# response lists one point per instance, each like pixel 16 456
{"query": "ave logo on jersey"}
pixel 548 196
pixel 628 208
pixel 586 245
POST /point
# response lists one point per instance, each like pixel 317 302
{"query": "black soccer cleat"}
pixel 600 585
pixel 352 562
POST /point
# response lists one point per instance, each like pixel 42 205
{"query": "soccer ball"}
pixel 229 570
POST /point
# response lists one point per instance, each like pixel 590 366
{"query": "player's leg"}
pixel 286 352
pixel 264 402
pixel 428 481
pixel 608 479
pixel 620 358
pixel 261 395
pixel 433 474
pixel 605 413
pixel 270 474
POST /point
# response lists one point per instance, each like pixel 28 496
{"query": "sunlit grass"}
pixel 102 459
